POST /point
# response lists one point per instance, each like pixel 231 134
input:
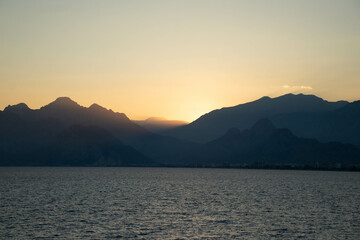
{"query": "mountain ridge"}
pixel 265 144
pixel 70 112
pixel 340 125
pixel 95 135
pixel 213 124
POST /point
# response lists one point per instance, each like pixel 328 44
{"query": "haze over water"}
pixel 165 203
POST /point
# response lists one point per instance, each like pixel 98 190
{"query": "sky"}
pixel 177 59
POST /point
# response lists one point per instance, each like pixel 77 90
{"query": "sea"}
pixel 177 203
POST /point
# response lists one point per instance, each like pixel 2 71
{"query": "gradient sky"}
pixel 177 59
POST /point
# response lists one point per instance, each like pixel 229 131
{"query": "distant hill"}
pixel 40 143
pixel 89 146
pixel 215 123
pixel 69 113
pixel 19 137
pixel 342 125
pixel 63 133
pixel 158 124
pixel 265 145
pixel 24 129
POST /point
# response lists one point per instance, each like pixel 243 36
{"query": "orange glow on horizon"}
pixel 175 59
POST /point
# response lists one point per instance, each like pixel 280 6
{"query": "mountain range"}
pixel 305 115
pixel 342 124
pixel 47 142
pixel 263 144
pixel 290 130
pixel 25 131
pixel 69 113
pixel 90 146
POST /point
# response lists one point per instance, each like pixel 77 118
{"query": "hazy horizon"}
pixel 177 59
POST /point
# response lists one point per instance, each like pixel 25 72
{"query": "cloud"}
pixel 298 87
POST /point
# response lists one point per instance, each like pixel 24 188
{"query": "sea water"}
pixel 177 203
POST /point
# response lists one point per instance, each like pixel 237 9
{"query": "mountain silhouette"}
pixel 69 113
pixel 158 124
pixel 62 103
pixel 84 146
pixel 215 123
pixel 19 136
pixel 20 109
pixel 34 129
pixel 340 125
pixel 43 144
pixel 63 133
pixel 266 145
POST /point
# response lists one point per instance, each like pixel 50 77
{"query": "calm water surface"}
pixel 166 203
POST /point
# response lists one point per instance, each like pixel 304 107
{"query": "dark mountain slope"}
pixel 20 109
pixel 19 137
pixel 94 146
pixel 265 145
pixel 217 122
pixel 69 113
pixel 76 146
pixel 342 125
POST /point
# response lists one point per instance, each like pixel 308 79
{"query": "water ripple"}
pixel 165 203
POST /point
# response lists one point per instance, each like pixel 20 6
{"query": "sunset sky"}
pixel 177 59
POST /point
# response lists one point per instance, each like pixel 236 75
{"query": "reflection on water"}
pixel 166 203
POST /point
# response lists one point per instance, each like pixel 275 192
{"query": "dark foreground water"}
pixel 165 203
